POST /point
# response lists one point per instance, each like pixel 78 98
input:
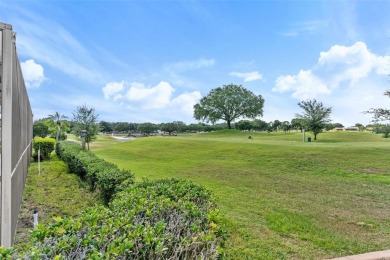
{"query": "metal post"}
pixel 35 216
pixel 83 134
pixel 39 160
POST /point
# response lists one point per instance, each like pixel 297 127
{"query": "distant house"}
pixel 339 128
pixel 352 128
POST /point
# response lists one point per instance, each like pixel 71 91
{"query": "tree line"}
pixel 227 103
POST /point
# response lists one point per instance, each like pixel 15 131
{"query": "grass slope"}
pixel 53 193
pixel 280 197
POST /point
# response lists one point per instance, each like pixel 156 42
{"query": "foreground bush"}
pixel 166 219
pixel 98 173
pixel 46 145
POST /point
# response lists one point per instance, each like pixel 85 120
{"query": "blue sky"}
pixel 139 61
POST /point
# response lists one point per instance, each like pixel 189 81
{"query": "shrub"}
pixel 165 219
pixel 384 130
pixel 98 173
pixel 6 253
pixel 61 137
pixel 45 144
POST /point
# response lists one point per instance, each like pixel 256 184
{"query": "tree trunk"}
pixel 315 136
pixel 58 134
pixel 229 125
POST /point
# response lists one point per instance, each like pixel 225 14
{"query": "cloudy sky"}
pixel 139 61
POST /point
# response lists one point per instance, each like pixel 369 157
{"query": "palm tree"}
pixel 58 120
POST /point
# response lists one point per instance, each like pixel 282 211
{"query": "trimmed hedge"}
pixel 98 173
pixel 165 219
pixel 47 146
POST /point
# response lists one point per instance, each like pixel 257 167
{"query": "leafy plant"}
pixel 45 145
pixel 165 219
pixel 98 173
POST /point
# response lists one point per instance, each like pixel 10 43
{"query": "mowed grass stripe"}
pixel 281 198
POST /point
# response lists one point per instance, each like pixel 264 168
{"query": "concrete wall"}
pixel 16 135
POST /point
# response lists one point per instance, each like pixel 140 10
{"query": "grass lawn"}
pixel 54 192
pixel 280 197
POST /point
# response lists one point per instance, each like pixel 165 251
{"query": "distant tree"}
pixel 383 129
pixel 59 122
pixel 275 125
pixel 244 125
pixel 285 126
pixel 260 125
pixel 106 127
pixel 315 116
pixel 331 126
pixel 380 115
pixel 228 103
pixel 361 126
pixel 181 126
pixel 133 127
pixel 84 118
pixel 147 128
pixel 122 127
pixel 297 123
pixel 169 127
pixel 40 129
pixel 195 127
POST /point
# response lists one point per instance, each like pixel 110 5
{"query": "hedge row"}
pixel 98 173
pixel 165 219
pixel 46 145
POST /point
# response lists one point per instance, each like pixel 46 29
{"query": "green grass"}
pixel 53 192
pixel 281 198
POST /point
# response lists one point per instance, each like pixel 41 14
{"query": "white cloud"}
pixel 33 73
pixel 247 76
pixel 185 102
pixel 306 27
pixel 48 41
pixel 113 89
pixel 305 85
pixel 190 65
pixel 341 66
pixel 150 97
pixel 155 102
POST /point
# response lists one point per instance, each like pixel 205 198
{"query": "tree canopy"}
pixel 147 128
pixel 59 121
pixel 40 129
pixel 84 118
pixel 228 103
pixel 315 116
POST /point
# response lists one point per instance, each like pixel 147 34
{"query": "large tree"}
pixel 228 103
pixel 84 118
pixel 315 116
pixel 59 122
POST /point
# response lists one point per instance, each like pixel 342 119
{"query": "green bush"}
pixel 61 137
pixel 45 144
pixel 98 173
pixel 165 219
pixel 6 253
